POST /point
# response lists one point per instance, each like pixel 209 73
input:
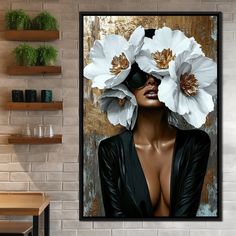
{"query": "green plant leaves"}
pixel 44 21
pixel 27 55
pixel 19 20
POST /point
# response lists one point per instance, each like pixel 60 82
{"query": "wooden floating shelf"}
pixel 19 139
pixel 33 70
pixel 31 35
pixel 35 106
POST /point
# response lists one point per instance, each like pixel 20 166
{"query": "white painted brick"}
pixel 229 214
pixel 229 186
pixel 225 224
pixel 53 120
pixel 15 167
pixel 71 167
pixel 71 186
pixel 141 232
pixel 107 225
pixel 29 157
pixel 35 6
pixel 228 233
pixel 119 232
pixel 70 139
pixel 70 149
pixel 56 205
pixel 27 176
pixel 133 225
pixel 69 25
pixel 157 225
pixel 58 176
pixel 71 111
pixel 71 102
pixel 46 148
pixel 55 224
pixel 63 195
pixel 75 224
pixel 227 177
pixel 5 158
pixel 70 205
pixel 23 120
pixel 4 5
pixel 11 83
pixel 58 157
pixel 170 232
pixel 71 120
pixel 4 176
pixel 63 233
pixel 6 149
pixel 60 8
pixel 229 205
pixel 47 166
pixel 49 83
pixel 46 186
pixel 205 232
pixel 8 186
pixel 71 92
pixel 69 83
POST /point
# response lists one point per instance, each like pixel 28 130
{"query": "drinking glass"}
pixel 48 131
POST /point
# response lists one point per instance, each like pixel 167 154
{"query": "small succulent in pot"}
pixel 45 21
pixel 47 55
pixel 25 55
pixel 17 20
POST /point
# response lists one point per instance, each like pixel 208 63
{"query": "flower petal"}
pixel 205 70
pixel 100 80
pixel 93 69
pixel 136 39
pixel 164 37
pixel 195 117
pixel 205 101
pixel 167 91
pixel 116 80
pixel 113 45
pixel 211 89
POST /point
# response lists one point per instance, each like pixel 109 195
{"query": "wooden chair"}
pixel 16 228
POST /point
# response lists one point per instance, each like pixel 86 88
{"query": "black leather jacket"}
pixel 124 188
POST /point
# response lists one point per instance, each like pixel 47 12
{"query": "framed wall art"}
pixel 150 116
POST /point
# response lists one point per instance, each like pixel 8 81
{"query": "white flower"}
pixel 189 88
pixel 164 47
pixel 112 57
pixel 120 105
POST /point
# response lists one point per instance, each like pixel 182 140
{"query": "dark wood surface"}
pixel 33 70
pixel 31 35
pixel 15 227
pixel 57 105
pixel 19 139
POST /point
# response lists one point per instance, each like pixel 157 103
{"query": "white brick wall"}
pixel 54 168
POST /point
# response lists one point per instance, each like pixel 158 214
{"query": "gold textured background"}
pixel 96 125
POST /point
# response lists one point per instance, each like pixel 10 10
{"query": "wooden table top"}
pixel 22 203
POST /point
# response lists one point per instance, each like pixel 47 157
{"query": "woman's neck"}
pixel 152 125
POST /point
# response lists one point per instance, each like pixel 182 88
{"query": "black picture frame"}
pixel 218 16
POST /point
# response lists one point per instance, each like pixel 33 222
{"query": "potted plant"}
pixel 25 55
pixel 45 21
pixel 17 20
pixel 47 55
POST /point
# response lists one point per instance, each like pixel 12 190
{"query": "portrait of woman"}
pixel 156 82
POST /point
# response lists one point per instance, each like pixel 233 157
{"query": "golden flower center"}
pixel 163 58
pixel 119 63
pixel 121 102
pixel 189 84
